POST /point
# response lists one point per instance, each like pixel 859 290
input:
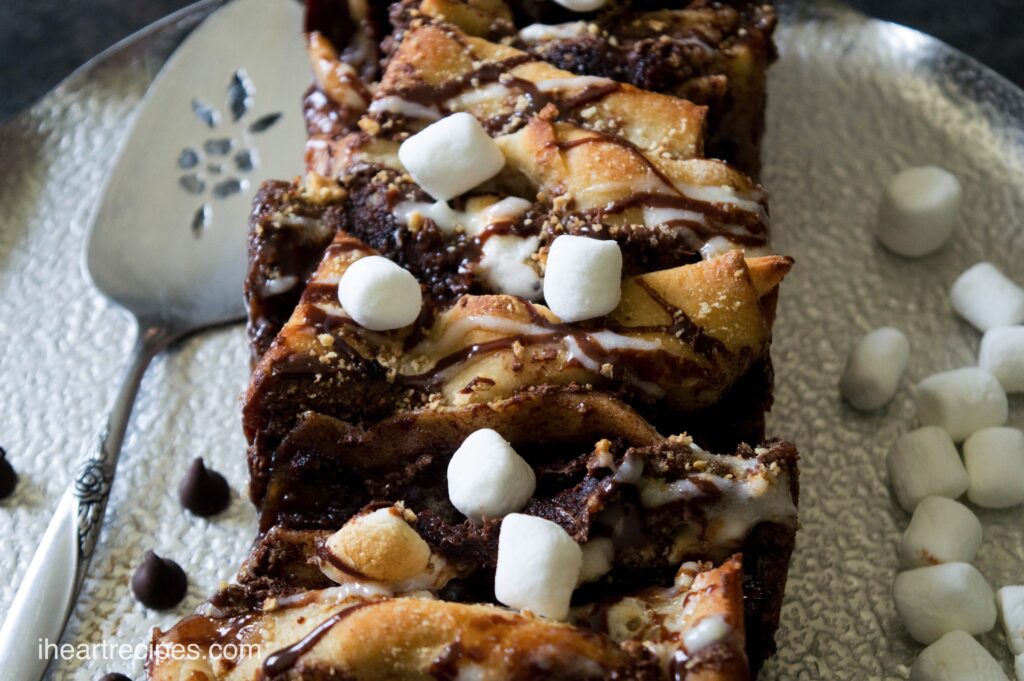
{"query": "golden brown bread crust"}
pixel 685 335
pixel 373 638
pixel 331 404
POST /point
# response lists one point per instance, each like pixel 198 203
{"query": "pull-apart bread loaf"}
pixel 501 326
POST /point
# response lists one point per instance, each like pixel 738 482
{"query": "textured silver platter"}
pixel 851 101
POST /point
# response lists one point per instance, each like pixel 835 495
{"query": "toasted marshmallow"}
pixel 961 401
pixel 941 531
pixel 918 211
pixel 994 458
pixel 582 5
pixel 925 463
pixel 451 156
pixel 956 657
pixel 583 277
pixel 598 555
pixel 986 298
pixel 379 295
pixel 1002 353
pixel 380 546
pixel 874 368
pixel 933 601
pixel 487 478
pixel 538 566
pixel 1011 611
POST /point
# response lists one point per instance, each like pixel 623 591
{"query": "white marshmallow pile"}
pixel 956 657
pixel 1002 353
pixel 874 368
pixel 918 211
pixel 1011 611
pixel 379 295
pixel 538 566
pixel 487 478
pixel 994 458
pixel 583 277
pixel 986 298
pixel 933 601
pixel 940 531
pixel 582 5
pixel 925 463
pixel 451 156
pixel 961 401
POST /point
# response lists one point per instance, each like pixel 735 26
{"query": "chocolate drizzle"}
pixel 684 328
pixel 283 660
pixel 435 96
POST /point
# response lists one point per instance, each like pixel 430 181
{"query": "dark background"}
pixel 42 41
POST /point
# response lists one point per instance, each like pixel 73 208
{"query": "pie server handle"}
pixel 35 623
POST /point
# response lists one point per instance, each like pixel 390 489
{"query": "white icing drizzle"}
pixel 571 83
pixel 276 286
pixel 653 217
pixel 472 222
pixel 452 340
pixel 437 573
pixel 397 105
pixel 472 98
pixel 708 631
pixel 752 494
pixel 440 213
pixel 598 555
pixel 506 265
pixel 541 32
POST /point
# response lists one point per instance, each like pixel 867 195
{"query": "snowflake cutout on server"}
pixel 218 168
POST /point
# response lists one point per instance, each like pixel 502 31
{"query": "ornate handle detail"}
pixel 92 484
pixel 50 588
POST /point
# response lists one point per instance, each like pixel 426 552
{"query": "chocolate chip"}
pixel 159 583
pixel 8 478
pixel 114 677
pixel 203 491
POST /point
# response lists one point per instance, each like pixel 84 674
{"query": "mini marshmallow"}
pixel 487 478
pixel 994 458
pixel 582 5
pixel 918 211
pixel 598 555
pixel 941 531
pixel 451 156
pixel 379 295
pixel 986 298
pixel 874 368
pixel 538 566
pixel 933 601
pixel 924 463
pixel 1002 353
pixel 961 401
pixel 956 657
pixel 583 277
pixel 1011 611
pixel 380 545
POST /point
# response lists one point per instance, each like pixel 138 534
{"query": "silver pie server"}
pixel 168 245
